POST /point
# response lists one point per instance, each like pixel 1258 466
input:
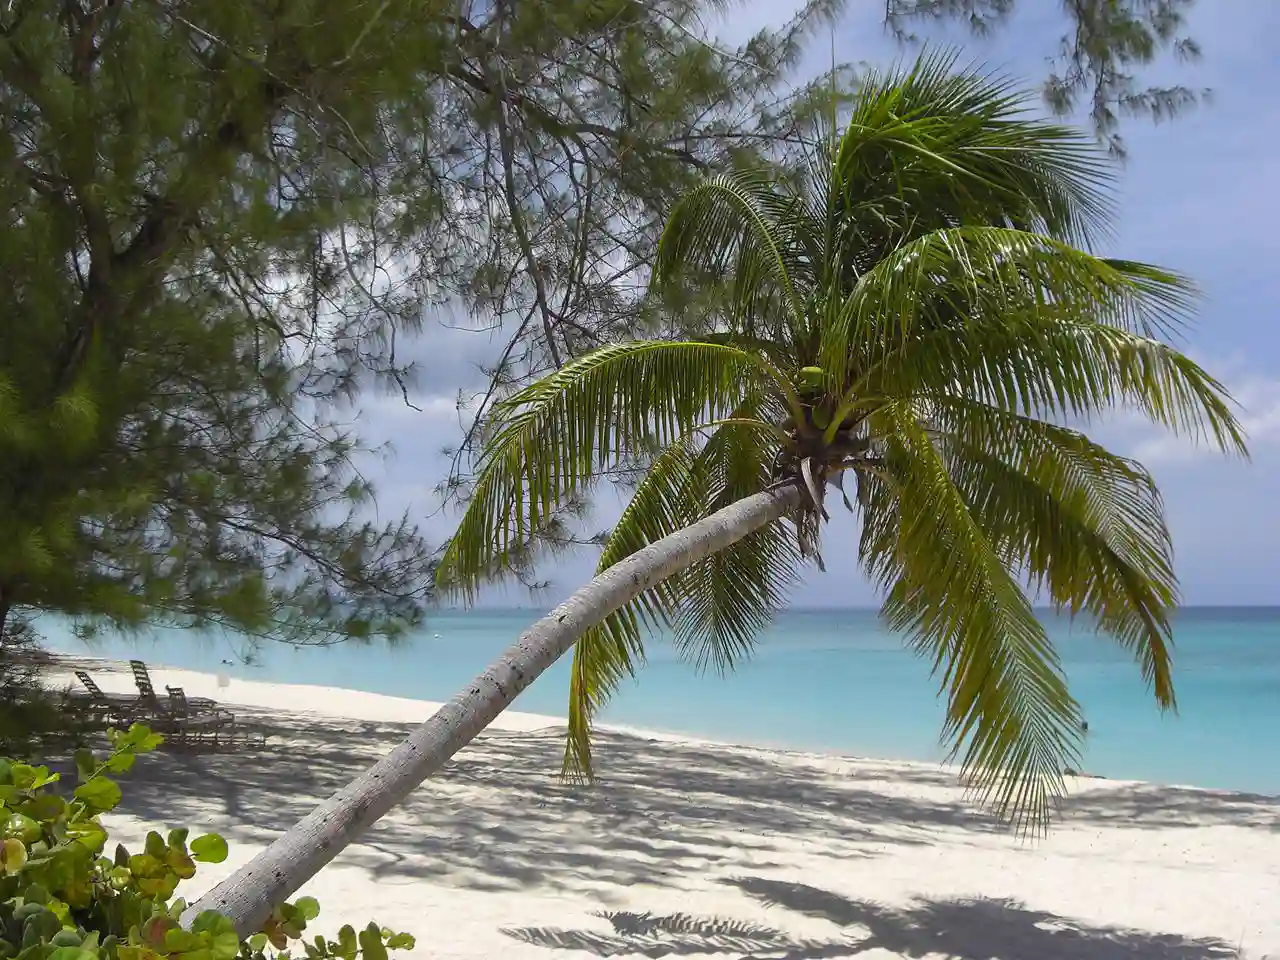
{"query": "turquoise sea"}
pixel 835 680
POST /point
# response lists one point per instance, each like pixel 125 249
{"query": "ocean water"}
pixel 832 680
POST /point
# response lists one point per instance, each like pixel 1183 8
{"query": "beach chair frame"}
pixel 189 723
pixel 197 724
pixel 108 709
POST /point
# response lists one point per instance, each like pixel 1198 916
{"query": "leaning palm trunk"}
pixel 248 896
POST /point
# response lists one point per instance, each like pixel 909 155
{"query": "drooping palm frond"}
pixel 555 436
pixel 728 598
pixel 1073 519
pixel 1027 324
pixel 1009 715
pixel 734 226
pixel 745 583
pixel 665 501
pixel 1070 369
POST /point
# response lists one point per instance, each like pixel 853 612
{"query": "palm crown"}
pixel 917 311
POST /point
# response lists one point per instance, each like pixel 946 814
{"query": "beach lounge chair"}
pixel 174 717
pixel 196 706
pixel 108 709
pixel 151 700
pixel 146 689
pixel 200 723
pixel 206 722
pixel 189 722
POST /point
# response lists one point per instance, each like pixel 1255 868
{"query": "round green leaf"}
pixel 99 794
pixel 309 907
pixel 371 944
pixel 13 855
pixel 21 827
pixel 71 953
pixel 121 762
pixel 225 945
pixel 209 848
pixel 45 806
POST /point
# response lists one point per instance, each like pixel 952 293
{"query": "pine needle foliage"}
pixel 175 324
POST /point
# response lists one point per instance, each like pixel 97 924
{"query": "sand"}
pixel 693 849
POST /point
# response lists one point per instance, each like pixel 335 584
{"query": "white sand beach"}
pixel 691 849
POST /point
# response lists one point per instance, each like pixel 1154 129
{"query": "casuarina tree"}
pixel 178 323
pixel 915 321
pixel 225 220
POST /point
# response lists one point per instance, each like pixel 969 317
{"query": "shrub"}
pixel 62 899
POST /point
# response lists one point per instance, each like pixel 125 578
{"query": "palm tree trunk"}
pixel 248 896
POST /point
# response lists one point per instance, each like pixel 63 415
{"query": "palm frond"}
pixel 728 598
pixel 735 225
pixel 964 279
pixel 1080 370
pixel 1079 522
pixel 744 583
pixel 553 437
pixel 733 595
pixel 1029 325
pixel 938 146
pixel 1008 709
pixel 668 498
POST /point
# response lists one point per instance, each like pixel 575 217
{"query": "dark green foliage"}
pixel 171 333
pixel 32 717
pixel 221 217
pixel 63 898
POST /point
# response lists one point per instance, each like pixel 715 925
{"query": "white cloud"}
pixel 1258 399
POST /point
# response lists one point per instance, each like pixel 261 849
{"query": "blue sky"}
pixel 1198 195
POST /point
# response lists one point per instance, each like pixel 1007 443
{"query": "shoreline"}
pixel 370 706
pixel 828 685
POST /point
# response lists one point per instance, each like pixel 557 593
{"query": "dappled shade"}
pixel 658 812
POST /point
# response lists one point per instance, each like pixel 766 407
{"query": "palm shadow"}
pixel 955 929
pixel 498 817
pixel 658 812
pixel 682 934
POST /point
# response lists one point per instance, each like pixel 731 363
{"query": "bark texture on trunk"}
pixel 249 895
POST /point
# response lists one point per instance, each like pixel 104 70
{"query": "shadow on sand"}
pixel 498 818
pixel 979 929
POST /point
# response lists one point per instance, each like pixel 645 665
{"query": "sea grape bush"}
pixel 61 898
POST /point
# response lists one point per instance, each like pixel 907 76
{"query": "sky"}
pixel 1196 196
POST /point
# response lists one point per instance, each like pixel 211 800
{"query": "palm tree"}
pixel 917 312
pixel 920 315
